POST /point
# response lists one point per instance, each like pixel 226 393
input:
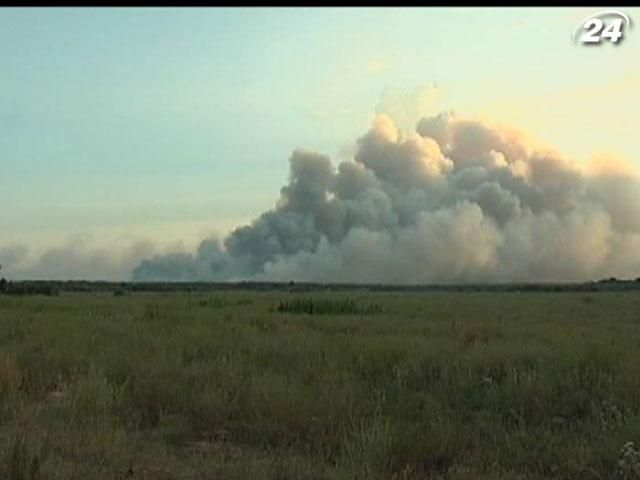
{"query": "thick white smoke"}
pixel 72 259
pixel 458 200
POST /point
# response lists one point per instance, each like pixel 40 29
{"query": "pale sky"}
pixel 166 125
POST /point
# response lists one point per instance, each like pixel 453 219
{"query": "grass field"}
pixel 259 385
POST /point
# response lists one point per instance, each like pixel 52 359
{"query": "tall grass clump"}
pixel 319 306
pixel 221 301
pixel 10 375
pixel 22 456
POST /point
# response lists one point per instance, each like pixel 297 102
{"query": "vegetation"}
pixel 488 385
pixel 28 288
pixel 326 306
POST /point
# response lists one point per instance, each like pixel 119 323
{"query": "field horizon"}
pixel 76 285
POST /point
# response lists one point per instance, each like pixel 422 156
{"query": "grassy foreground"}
pixel 249 385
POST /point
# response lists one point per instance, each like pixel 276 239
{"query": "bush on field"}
pixel 316 306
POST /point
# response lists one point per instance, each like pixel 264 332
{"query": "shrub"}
pixel 316 306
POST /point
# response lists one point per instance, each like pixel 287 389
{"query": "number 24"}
pixel 594 26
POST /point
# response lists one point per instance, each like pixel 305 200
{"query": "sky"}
pixel 147 129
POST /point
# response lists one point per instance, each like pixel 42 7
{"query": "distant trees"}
pixel 3 282
pixel 27 288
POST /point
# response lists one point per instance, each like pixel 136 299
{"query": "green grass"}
pixel 225 386
pixel 326 306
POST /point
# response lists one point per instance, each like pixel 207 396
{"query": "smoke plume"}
pixel 72 259
pixel 457 200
